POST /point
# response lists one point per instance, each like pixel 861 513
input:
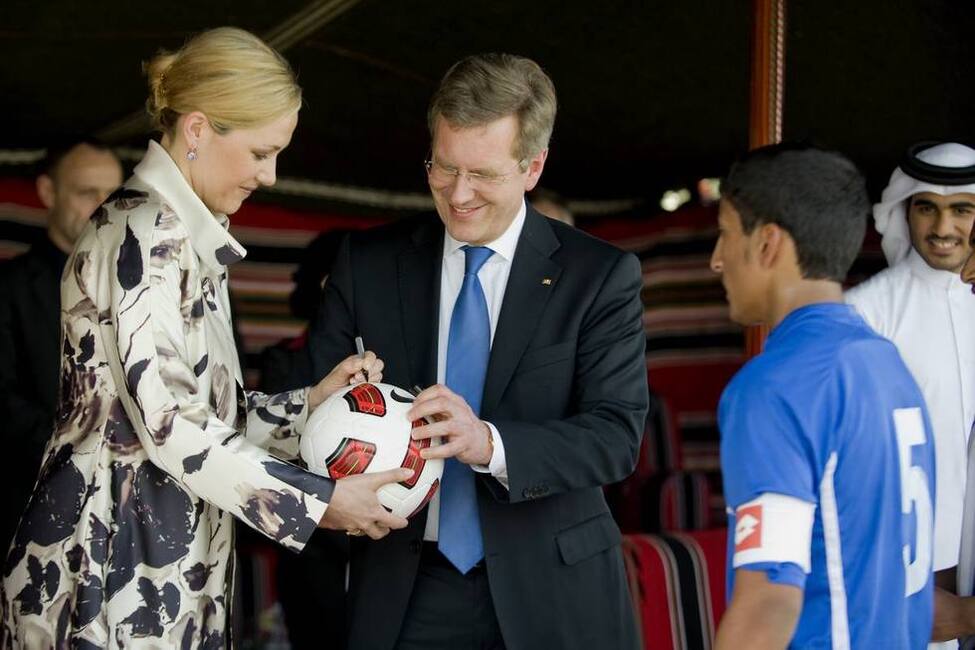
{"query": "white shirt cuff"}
pixel 498 467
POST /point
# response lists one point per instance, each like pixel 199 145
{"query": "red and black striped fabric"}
pixel 677 582
pixel 659 496
pixel 678 501
pixel 693 348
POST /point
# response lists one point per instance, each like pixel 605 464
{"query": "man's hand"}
pixel 352 370
pixel 465 437
pixel 954 616
pixel 355 508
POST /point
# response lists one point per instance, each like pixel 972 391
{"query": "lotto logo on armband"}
pixel 773 528
pixel 748 528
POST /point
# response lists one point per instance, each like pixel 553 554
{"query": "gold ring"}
pixel 355 532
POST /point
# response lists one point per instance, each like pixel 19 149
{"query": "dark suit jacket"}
pixel 30 357
pixel 566 387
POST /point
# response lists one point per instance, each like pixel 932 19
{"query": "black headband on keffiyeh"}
pixel 937 173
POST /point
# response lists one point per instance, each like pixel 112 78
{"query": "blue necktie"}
pixel 468 350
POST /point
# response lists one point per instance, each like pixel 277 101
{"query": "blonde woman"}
pixel 128 538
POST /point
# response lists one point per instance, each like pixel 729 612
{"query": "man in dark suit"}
pixel 75 178
pixel 529 335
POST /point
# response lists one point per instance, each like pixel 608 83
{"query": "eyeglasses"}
pixel 443 175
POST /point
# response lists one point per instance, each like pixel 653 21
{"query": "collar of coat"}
pixel 208 230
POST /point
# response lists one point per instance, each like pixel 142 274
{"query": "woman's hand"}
pixel 352 370
pixel 355 508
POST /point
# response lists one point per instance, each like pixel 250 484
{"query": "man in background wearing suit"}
pixel 75 178
pixel 529 335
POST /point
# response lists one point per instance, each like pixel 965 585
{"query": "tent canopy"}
pixel 652 94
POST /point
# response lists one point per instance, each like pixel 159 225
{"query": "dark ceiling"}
pixel 651 94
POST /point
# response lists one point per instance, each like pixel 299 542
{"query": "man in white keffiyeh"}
pixel 925 216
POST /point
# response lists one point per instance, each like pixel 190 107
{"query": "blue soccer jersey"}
pixel 828 466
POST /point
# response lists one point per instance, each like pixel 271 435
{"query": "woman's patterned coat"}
pixel 128 538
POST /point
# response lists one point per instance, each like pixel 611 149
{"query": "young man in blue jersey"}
pixel 826 453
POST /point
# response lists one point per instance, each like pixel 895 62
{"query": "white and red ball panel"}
pixel 350 457
pixel 364 429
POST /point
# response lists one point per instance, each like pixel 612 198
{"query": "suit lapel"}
pixel 532 279
pixel 419 289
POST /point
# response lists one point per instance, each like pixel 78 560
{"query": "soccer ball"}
pixel 363 429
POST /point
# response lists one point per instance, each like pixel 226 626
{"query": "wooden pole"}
pixel 765 112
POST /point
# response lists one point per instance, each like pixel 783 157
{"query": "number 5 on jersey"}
pixel 915 496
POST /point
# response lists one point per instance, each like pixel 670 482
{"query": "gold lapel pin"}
pixel 547 281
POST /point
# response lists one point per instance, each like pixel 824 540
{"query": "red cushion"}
pixel 678 586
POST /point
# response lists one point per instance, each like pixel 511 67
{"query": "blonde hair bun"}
pixel 228 74
pixel 155 69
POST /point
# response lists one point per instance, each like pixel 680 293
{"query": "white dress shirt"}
pixel 494 279
pixel 930 317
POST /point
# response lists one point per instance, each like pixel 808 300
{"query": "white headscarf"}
pixel 890 215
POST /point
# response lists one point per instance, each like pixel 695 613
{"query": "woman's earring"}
pixel 191 154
